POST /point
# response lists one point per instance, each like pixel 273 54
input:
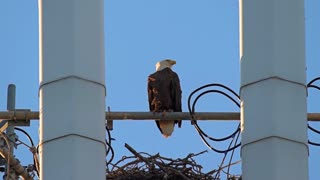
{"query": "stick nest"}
pixel 143 166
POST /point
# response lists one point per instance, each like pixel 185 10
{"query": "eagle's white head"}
pixel 165 64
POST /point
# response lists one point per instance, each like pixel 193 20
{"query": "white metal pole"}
pixel 72 90
pixel 273 91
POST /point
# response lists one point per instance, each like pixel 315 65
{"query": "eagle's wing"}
pixel 150 98
pixel 150 94
pixel 176 95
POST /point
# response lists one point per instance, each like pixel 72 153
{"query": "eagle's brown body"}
pixel 164 94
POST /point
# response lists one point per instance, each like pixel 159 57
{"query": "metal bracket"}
pixel 4 124
pixel 109 121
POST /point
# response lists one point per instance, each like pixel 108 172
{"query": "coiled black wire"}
pixel 202 134
pixel 313 80
pixel 310 85
pixel 233 143
pixel 196 125
pixel 314 130
pixel 109 149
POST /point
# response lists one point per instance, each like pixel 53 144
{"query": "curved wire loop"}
pixel 311 85
pixel 201 133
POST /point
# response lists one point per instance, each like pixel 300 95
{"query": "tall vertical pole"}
pixel 273 91
pixel 11 106
pixel 72 90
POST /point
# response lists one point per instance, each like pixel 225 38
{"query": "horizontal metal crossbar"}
pixel 34 115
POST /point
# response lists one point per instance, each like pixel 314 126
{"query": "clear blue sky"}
pixel 202 36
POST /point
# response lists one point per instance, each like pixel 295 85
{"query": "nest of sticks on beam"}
pixel 143 166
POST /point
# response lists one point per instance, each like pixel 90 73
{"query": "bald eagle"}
pixel 164 94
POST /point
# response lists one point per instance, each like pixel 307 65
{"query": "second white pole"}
pixel 273 91
pixel 72 90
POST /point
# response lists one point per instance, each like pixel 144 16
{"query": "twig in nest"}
pixel 221 168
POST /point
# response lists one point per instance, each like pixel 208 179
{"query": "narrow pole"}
pixel 72 90
pixel 273 91
pixel 11 105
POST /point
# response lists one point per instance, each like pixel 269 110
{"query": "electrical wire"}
pixel 230 161
pixel 313 80
pixel 311 85
pixel 9 153
pixel 224 157
pixel 201 133
pixel 213 91
pixel 313 143
pixel 314 86
pixel 234 141
pixel 313 129
pixel 197 126
pixel 209 85
pixel 32 149
pixel 24 132
pixel 110 149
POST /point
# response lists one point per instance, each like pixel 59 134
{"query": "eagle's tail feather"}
pixel 166 127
